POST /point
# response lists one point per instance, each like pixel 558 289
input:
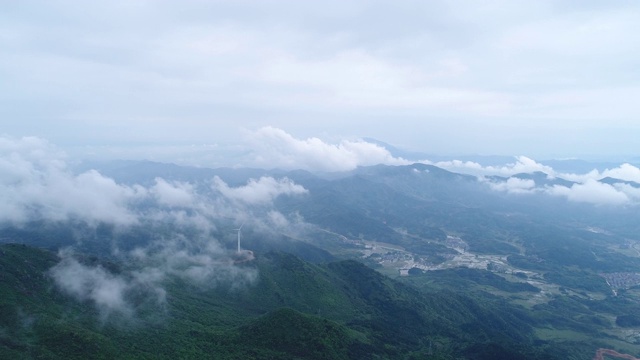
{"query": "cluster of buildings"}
pixel 622 280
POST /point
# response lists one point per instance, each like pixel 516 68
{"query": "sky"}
pixel 205 82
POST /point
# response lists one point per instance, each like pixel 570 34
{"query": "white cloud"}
pixel 515 186
pixel 199 260
pixel 632 192
pixel 176 194
pixel 110 293
pixel 276 219
pixel 587 188
pixel 522 164
pixel 623 172
pixel 275 148
pixel 259 192
pixel 592 192
pixel 104 289
pixel 35 184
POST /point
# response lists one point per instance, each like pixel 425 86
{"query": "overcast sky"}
pixel 172 80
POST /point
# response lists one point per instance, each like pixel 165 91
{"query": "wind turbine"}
pixel 239 230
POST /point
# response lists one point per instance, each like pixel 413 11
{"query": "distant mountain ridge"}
pixel 576 166
pixel 486 160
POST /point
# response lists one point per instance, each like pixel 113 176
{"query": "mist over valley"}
pixel 319 180
pixel 513 258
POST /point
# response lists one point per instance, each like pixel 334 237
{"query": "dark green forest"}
pixel 295 310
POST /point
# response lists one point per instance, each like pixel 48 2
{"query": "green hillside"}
pixel 294 310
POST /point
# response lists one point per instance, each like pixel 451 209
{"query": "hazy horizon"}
pixel 166 80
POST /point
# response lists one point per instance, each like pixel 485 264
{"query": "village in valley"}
pixel 396 257
pixel 393 258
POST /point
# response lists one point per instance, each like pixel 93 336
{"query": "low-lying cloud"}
pixel 36 185
pixel 587 188
pixel 275 148
pixel 174 194
pixel 626 172
pixel 259 192
pixel 200 260
pixel 110 293
pixel 515 186
pixel 522 164
pixel 592 192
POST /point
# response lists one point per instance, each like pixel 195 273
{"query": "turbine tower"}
pixel 239 230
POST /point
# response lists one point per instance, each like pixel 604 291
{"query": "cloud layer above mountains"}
pixel 585 188
pixel 439 76
pixel 592 191
pixel 522 164
pixel 275 148
pixel 35 182
pixel 261 191
pixel 37 185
